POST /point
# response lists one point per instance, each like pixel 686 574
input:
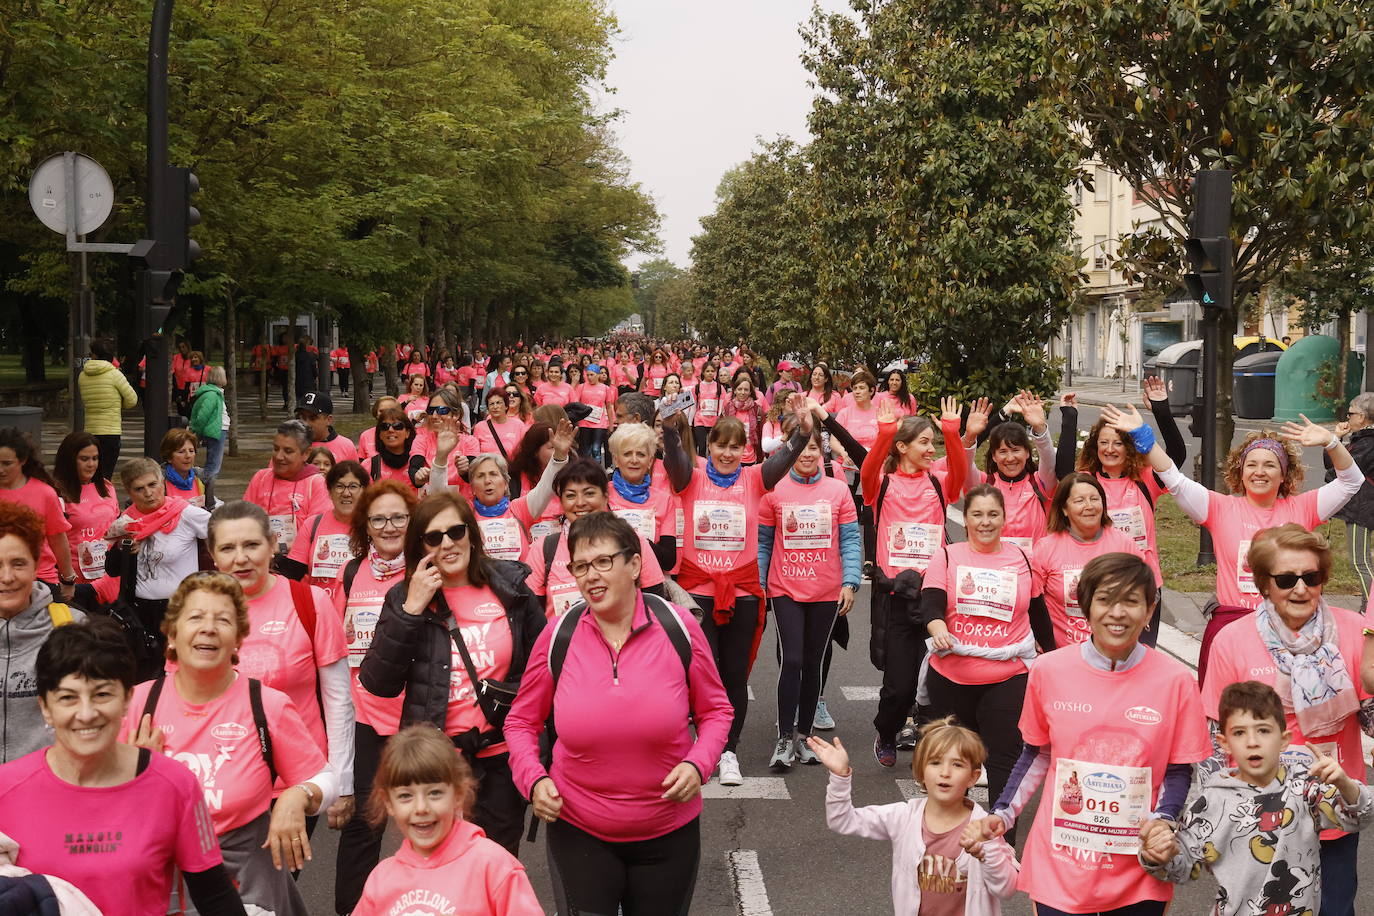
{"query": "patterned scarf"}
pixel 1314 683
pixel 383 569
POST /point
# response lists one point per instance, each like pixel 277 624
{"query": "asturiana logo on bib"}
pixel 1104 782
pixel 1144 715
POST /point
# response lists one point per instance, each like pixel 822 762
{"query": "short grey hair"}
pixel 297 430
pixel 1364 403
pixel 216 376
pixel 496 459
pixel 135 468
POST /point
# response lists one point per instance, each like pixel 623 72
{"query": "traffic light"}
pixel 159 293
pixel 171 216
pixel 1209 281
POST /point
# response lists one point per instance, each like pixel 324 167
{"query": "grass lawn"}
pixel 1178 537
pixel 12 370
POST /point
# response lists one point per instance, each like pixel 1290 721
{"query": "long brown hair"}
pixel 359 538
pixel 64 467
pixel 1135 462
pixel 908 430
pixel 425 512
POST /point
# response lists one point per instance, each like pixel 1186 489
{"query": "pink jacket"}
pixel 989 882
pixel 467 874
pixel 622 726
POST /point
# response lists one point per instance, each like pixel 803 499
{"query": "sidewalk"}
pixel 1095 391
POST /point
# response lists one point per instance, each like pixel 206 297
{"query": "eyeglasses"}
pixel 1311 578
pixel 381 521
pixel 393 425
pixel 438 410
pixel 519 372
pixel 455 534
pixel 513 396
pixel 600 564
pixel 348 487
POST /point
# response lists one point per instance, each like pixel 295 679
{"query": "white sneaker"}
pixel 784 755
pixel 727 771
pixel 822 721
pixel 804 753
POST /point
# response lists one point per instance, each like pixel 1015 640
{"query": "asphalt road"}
pixel 766 849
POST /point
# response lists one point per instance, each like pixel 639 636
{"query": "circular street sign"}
pixel 94 194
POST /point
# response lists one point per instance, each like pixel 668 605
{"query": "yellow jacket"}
pixel 104 391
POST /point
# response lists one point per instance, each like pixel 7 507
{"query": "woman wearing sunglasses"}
pixel 518 404
pixel 397 457
pixel 455 591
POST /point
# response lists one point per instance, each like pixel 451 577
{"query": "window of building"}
pixel 1100 253
pixel 1102 184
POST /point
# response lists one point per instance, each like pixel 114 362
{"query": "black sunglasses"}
pixel 395 424
pixel 520 372
pixel 438 410
pixel 455 534
pixel 1311 579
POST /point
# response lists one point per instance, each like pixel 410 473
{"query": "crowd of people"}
pixel 534 588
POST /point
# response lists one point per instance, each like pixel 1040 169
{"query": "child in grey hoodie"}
pixel 1257 828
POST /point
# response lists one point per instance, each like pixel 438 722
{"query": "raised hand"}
pixel 949 409
pixel 1123 420
pixel 886 413
pixel 1032 410
pixel 1328 770
pixel 1154 390
pixel 1306 433
pixel 978 413
pixel 1068 399
pixel 817 409
pixel 563 438
pixel 834 756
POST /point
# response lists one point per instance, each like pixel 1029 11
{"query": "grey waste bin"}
pixel 28 420
pixel 1252 396
pixel 1178 366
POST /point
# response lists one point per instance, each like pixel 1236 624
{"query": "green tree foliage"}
pixel 649 280
pixel 939 164
pixel 1277 92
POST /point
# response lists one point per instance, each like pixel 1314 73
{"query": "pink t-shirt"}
pixel 710 397
pixel 987 597
pixel 120 845
pixel 721 529
pixel 508 432
pixel 1238 654
pixel 359 609
pixel 44 500
pixel 218 743
pixel 1118 726
pixel 559 589
pixel 861 424
pixel 278 651
pixel 911 525
pixel 806 563
pixel 506 536
pixel 886 397
pixel 481 618
pixel 1132 513
pixel 342 447
pixel 550 393
pixel 655 517
pixel 367 444
pixel 1024 508
pixel 601 399
pixel 90 518
pixel 653 380
pixel 1058 562
pixel 1234 521
pixel 288 502
pixel 327 554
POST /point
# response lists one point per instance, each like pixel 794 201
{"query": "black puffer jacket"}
pixel 411 652
pixel 1360 509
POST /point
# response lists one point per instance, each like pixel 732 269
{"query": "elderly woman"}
pixel 636 495
pixel 210 420
pixel 1309 652
pixel 239 737
pixel 454 592
pixel 1358 514
pixel 28 615
pixel 155 540
pixel 297 641
pixel 291 489
pixel 623 793
pixel 323 547
pixel 184 481
pixel 505 523
pixel 150 810
pixel 1127 714
pixel 1263 474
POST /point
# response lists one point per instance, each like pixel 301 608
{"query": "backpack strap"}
pixel 551 542
pixel 350 572
pixel 60 614
pixel 672 624
pixel 562 637
pixel 939 494
pixel 499 445
pixel 315 530
pixel 1145 492
pixel 304 600
pixel 154 692
pixel 260 725
pixel 375 467
pixel 878 503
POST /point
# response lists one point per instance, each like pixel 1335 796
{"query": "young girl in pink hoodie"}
pixel 932 870
pixel 445 864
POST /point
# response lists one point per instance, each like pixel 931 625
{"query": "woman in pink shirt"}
pixel 24 480
pixel 1021 465
pixel 208 717
pixel 323 546
pixel 711 396
pixel 118 822
pixel 500 432
pixel 1263 474
pixel 415 396
pixel 454 592
pixel 823 388
pixel 623 794
pixel 90 502
pixel 290 490
pixel 367 439
pixel 554 390
pixel 593 430
pixel 745 407
pixel 894 391
pixel 1079 530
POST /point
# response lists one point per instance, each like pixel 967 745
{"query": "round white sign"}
pixel 94 194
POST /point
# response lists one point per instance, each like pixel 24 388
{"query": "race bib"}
pixel 719 526
pixel 708 407
pixel 910 545
pixel 1071 607
pixel 679 524
pixel 90 556
pixel 983 592
pixel 543 527
pixel 596 416
pixel 501 537
pixel 1132 522
pixel 330 554
pixel 1099 808
pixel 563 597
pixel 1245 576
pixel 360 624
pixel 284 529
pixel 641 520
pixel 807 527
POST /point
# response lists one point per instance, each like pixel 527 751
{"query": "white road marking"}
pixel 751 693
pixel 860 694
pixel 750 892
pixel 1180 645
pixel 772 788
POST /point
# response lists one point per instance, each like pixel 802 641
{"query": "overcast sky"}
pixel 699 81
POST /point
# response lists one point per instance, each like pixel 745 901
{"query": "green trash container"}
pixel 1297 375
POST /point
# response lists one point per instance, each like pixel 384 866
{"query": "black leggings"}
pixel 731 644
pixel 1139 908
pixel 360 844
pixel 994 712
pixel 803 635
pixel 595 877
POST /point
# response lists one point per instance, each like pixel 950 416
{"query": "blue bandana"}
pixel 724 481
pixel 634 492
pixel 495 511
pixel 182 483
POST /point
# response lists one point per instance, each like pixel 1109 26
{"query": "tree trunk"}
pixel 441 335
pixel 388 361
pixel 291 365
pixel 231 369
pixel 1368 350
pixel 357 359
pixel 1342 364
pixel 418 328
pixel 264 372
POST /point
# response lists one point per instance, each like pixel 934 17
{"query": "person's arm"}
pixel 1173 791
pixel 934 603
pixel 1367 661
pixel 336 703
pixel 851 555
pixel 767 535
pixel 1333 495
pixel 871 471
pixel 1188 851
pixel 128 398
pixel 1026 778
pixel 213 892
pixel 386 667
pixel 954 447
pixel 62 553
pixel 538 497
pixel 1066 455
pixel 1192 497
pixel 665 550
pixel 874 822
pixel 852 447
pixel 679 469
pixel 1040 623
pixel 1174 445
pixel 781 461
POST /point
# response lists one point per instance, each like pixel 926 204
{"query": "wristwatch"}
pixel 66 580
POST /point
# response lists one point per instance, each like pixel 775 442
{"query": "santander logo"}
pixel 1144 715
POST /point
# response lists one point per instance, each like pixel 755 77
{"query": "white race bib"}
pixel 1132 522
pixel 360 624
pixel 563 597
pixel 284 528
pixel 1245 576
pixel 90 557
pixel 1071 607
pixel 910 545
pixel 543 527
pixel 1099 808
pixel 708 408
pixel 719 526
pixel 501 537
pixel 641 520
pixel 330 554
pixel 807 527
pixel 980 592
pixel 680 524
pixel 596 416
